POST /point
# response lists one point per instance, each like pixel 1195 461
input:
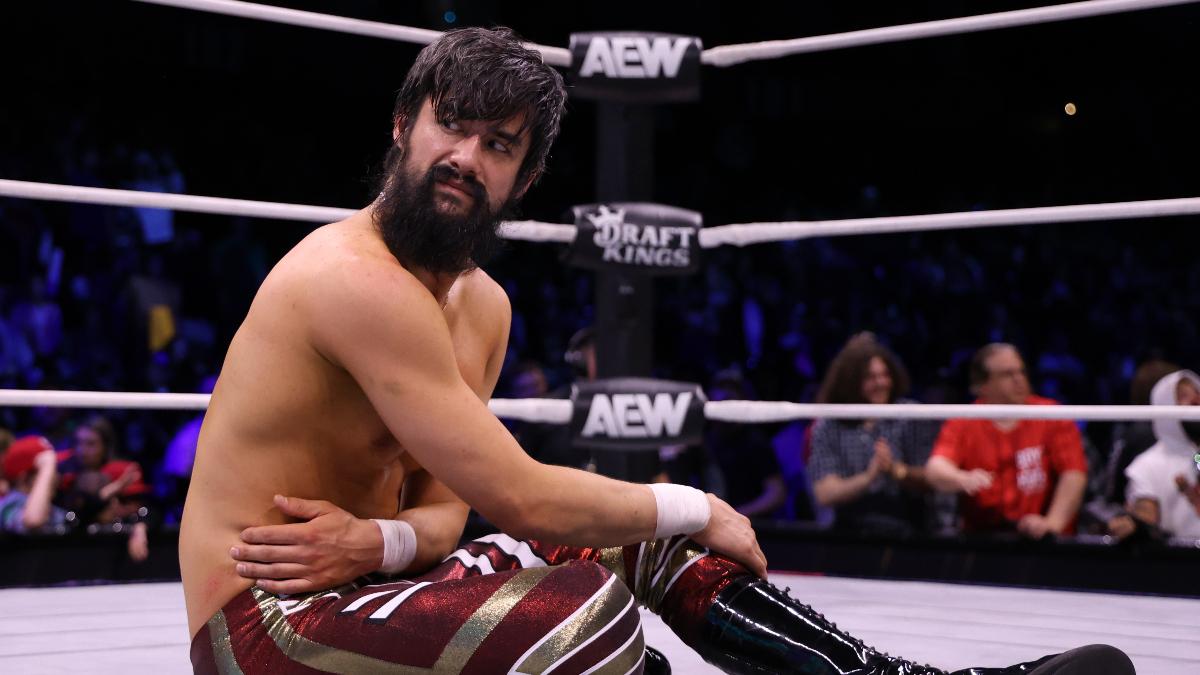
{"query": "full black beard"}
pixel 421 235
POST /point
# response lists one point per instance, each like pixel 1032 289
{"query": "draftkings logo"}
pixel 649 245
pixel 650 237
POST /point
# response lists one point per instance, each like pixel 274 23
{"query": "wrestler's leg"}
pixel 576 616
pixel 743 624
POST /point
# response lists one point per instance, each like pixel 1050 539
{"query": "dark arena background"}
pixel 135 96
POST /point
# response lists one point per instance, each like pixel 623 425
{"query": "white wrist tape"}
pixel 681 509
pixel 399 545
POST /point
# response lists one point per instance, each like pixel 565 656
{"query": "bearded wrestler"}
pixel 348 434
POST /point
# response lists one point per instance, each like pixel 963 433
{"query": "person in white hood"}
pixel 1163 487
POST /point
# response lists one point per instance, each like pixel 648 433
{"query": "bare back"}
pixel 284 419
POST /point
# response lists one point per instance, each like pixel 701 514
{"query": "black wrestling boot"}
pixel 656 663
pixel 754 628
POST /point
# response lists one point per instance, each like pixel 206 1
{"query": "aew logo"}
pixel 635 67
pixel 636 413
pixel 649 237
pixel 634 56
pixel 651 245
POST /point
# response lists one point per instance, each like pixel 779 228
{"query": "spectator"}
pixel 1163 488
pixel 753 480
pixel 871 471
pixel 107 490
pixel 31 468
pixel 1022 475
pixel 530 381
pixel 547 443
pixel 633 466
pixel 6 439
pixel 40 319
pixel 1134 438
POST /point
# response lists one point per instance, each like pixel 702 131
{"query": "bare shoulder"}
pixel 479 297
pixel 347 283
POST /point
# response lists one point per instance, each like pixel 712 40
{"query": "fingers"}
pixel 760 567
pixel 302 508
pixel 296 533
pixel 288 586
pixel 277 571
pixel 270 554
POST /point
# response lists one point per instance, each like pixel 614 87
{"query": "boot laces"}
pixel 858 643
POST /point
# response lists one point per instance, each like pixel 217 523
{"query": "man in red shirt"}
pixel 1027 475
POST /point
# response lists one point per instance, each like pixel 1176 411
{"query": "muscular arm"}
pixel 387 331
pixel 437 515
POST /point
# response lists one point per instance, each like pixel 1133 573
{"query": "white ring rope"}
pixel 558 411
pixel 729 55
pixel 176 202
pixel 102 399
pixel 555 56
pixel 530 230
pixel 757 233
pixel 722 56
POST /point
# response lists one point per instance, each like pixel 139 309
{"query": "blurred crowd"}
pixel 111 299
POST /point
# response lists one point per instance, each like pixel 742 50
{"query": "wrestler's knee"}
pixel 612 595
pixel 587 573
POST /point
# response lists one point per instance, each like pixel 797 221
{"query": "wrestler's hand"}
pixel 729 533
pixel 330 548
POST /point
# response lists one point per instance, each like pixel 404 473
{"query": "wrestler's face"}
pixel 90 447
pixel 485 157
pixel 877 382
pixel 449 183
pixel 1007 381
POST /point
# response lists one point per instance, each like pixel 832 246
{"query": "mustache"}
pixel 449 174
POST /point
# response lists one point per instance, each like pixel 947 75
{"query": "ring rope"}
pixel 555 56
pixel 730 55
pixel 558 411
pixel 722 56
pixel 741 234
pixel 744 234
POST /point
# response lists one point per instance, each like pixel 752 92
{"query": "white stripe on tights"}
pixel 390 606
pixel 550 633
pixel 602 631
pixel 480 562
pixel 357 604
pixel 617 652
pixel 517 549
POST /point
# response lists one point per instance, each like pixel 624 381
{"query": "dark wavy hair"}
pixel 104 429
pixel 843 381
pixel 487 74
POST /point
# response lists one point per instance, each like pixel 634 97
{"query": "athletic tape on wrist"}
pixel 399 545
pixel 681 509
